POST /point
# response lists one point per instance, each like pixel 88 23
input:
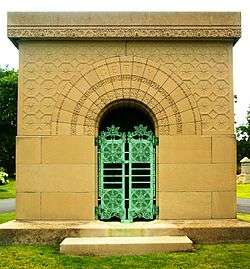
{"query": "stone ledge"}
pixel 53 232
pixel 124 25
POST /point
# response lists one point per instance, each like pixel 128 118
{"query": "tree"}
pixel 8 118
pixel 243 139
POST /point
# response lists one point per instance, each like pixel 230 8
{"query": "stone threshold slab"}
pixel 124 245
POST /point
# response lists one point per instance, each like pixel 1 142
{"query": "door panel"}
pixel 126 178
pixel 111 145
pixel 142 173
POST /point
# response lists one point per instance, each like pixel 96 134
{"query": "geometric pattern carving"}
pixel 205 70
pixel 188 89
pixel 117 78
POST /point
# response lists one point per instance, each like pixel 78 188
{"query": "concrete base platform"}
pixel 53 232
pixel 102 246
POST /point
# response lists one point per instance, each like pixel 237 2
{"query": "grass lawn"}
pixel 243 216
pixel 206 256
pixel 4 217
pixel 8 190
pixel 243 191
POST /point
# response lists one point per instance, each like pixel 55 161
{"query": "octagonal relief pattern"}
pixel 64 92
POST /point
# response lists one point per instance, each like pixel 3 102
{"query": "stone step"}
pixel 137 245
pixel 116 229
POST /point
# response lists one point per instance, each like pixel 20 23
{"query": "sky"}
pixel 241 57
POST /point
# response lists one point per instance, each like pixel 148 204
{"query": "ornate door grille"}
pixel 126 174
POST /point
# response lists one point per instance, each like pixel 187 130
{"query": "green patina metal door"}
pixel 126 174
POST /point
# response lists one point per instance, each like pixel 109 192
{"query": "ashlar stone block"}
pixel 196 177
pixel 223 205
pixel 28 149
pixel 27 206
pixel 68 150
pixel 56 178
pixel 68 206
pixel 184 205
pixel 184 149
pixel 224 149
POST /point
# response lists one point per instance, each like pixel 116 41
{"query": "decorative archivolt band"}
pixel 171 102
pixel 148 82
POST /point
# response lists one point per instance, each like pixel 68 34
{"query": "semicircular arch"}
pixel 171 101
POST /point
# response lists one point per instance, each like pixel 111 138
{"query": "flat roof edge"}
pixel 124 18
pixel 124 25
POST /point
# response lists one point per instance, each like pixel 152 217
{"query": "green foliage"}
pixel 243 139
pixel 206 257
pixel 8 190
pixel 8 118
pixel 243 191
pixel 3 177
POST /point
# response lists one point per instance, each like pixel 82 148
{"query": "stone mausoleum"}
pixel 125 116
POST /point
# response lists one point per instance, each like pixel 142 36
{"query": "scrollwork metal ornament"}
pixel 112 204
pixel 141 141
pixel 111 143
pixel 141 204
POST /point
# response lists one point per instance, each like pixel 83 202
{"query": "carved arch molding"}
pixel 81 100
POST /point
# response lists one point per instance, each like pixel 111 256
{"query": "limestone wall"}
pixel 64 87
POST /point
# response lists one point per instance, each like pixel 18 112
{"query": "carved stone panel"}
pixel 66 86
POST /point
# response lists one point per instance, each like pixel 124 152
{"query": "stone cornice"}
pixel 129 26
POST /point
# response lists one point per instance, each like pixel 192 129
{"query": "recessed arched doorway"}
pixel 126 162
